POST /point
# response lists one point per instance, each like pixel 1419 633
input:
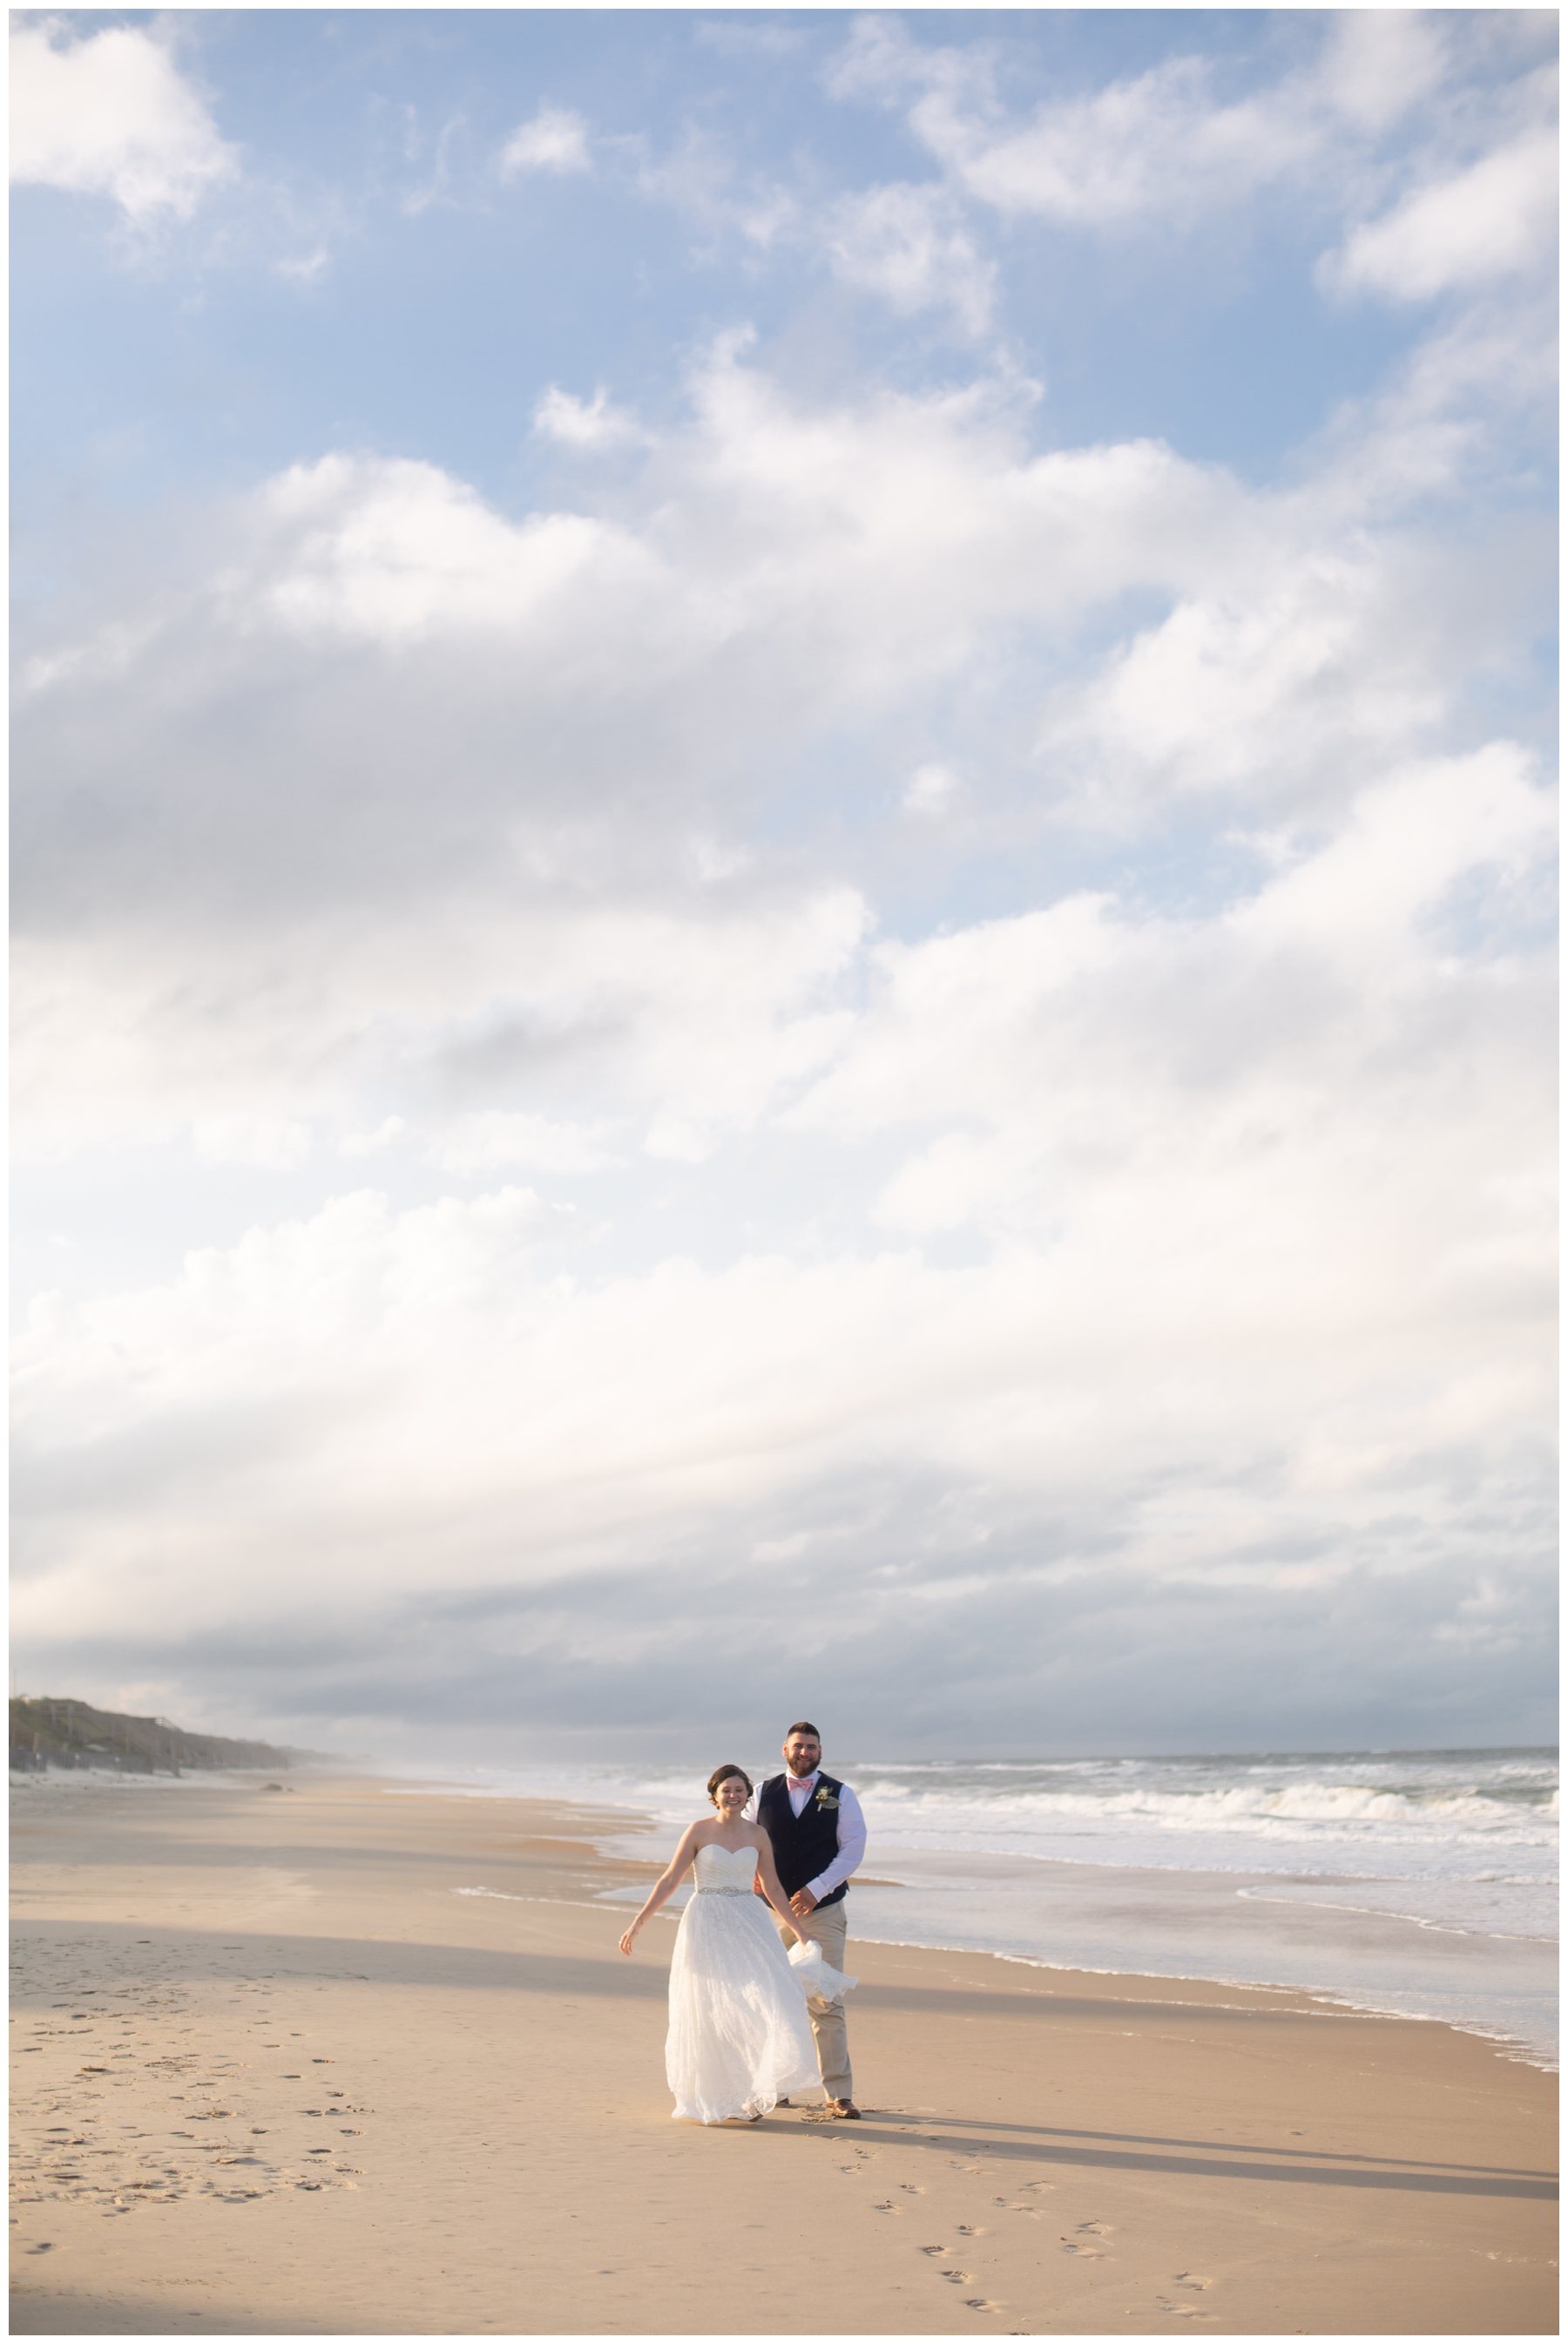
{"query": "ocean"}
pixel 1419 1883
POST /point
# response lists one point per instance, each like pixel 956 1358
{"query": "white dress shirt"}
pixel 851 1831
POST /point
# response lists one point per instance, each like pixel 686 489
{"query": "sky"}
pixel 783 855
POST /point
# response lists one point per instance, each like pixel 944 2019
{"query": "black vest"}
pixel 804 1845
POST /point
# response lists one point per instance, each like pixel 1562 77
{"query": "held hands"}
pixel 803 1903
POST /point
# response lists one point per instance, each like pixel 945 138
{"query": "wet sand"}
pixel 274 2074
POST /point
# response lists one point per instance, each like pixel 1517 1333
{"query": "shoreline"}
pixel 1536 2048
pixel 616 1820
pixel 279 2071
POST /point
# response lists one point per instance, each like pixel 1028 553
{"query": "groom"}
pixel 819 1837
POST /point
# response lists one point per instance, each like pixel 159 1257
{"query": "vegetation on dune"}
pixel 49 1732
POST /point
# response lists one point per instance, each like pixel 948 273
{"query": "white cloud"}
pixel 714 861
pixel 800 573
pixel 1384 103
pixel 700 178
pixel 1377 65
pixel 1152 148
pixel 388 552
pixel 1332 663
pixel 1156 146
pixel 1403 847
pixel 585 423
pixel 1266 1204
pixel 675 1139
pixel 905 244
pixel 1003 954
pixel 305 267
pixel 111 113
pixel 1497 219
pixel 931 790
pixel 554 139
pixel 391 1129
pixel 1323 1108
pixel 269 1144
pixel 492 1139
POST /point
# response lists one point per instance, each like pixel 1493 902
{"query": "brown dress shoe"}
pixel 844 2108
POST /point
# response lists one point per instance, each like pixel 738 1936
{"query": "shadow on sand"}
pixel 191 1955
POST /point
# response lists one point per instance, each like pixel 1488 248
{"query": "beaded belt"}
pixel 724 1892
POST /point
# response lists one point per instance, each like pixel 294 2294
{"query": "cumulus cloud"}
pixel 1153 147
pixel 1334 660
pixel 1266 1274
pixel 584 423
pixel 904 244
pixel 800 573
pixel 1126 152
pixel 111 113
pixel 1375 105
pixel 484 1142
pixel 1497 219
pixel 1156 1233
pixel 385 552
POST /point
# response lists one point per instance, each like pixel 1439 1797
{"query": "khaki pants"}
pixel 829 1927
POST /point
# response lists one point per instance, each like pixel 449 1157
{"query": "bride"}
pixel 740 2040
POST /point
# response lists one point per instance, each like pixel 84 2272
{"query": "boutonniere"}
pixel 825 1799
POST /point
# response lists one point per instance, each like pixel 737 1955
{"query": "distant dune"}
pixel 49 1732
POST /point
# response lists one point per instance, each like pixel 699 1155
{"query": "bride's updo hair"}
pixel 722 1774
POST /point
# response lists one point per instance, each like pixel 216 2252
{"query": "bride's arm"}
pixel 668 1879
pixel 770 1885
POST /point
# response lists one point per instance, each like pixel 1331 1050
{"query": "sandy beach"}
pixel 274 2072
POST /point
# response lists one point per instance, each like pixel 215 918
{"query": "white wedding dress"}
pixel 740 2039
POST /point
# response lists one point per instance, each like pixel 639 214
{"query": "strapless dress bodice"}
pixel 725 1871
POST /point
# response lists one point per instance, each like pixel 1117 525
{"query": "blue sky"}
pixel 784 871
pixel 440 320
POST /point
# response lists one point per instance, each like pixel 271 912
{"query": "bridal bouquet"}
pixel 817 1975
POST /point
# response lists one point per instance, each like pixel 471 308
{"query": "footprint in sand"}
pixel 980 2303
pixel 912 2188
pixel 1191 2282
pixel 933 2250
